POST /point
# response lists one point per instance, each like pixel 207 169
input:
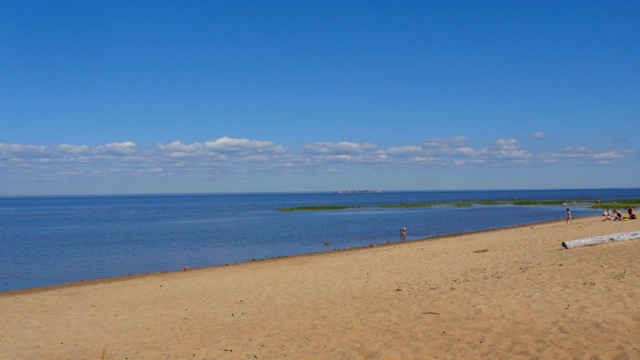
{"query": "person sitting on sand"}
pixel 618 216
pixel 631 214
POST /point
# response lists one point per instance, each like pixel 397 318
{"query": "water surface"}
pixel 55 240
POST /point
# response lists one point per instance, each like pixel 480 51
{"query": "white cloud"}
pixel 454 141
pixel 611 155
pixel 123 148
pixel 178 150
pixel 586 155
pixel 507 143
pixel 505 149
pixel 73 149
pixel 256 158
pixel 229 145
pixel 404 150
pixel 177 146
pixel 341 158
pixel 226 157
pixel 15 150
pixel 424 160
pixel 538 135
pixel 570 153
pixel 465 150
pixel 340 148
pixel 380 157
pixel 434 148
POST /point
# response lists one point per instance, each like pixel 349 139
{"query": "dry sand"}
pixel 505 294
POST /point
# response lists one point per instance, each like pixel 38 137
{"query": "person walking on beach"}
pixel 569 216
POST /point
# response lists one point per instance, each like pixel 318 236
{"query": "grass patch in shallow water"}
pixel 591 204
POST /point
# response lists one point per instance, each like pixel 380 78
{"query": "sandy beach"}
pixel 504 294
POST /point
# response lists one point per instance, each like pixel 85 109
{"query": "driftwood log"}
pixel 601 239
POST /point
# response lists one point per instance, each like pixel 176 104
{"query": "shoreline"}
pixel 93 282
pixel 169 233
pixel 503 293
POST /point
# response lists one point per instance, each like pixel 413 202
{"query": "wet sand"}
pixel 504 294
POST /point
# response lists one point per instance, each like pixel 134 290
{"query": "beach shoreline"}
pixel 502 293
pixel 92 282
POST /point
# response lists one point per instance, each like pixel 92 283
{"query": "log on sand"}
pixel 601 239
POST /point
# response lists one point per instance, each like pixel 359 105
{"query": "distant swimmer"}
pixel 403 232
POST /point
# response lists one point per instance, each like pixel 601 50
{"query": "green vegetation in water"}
pixel 316 208
pixel 591 204
pixel 492 202
pixel 406 205
pixel 462 204
pixel 535 203
pixel 617 204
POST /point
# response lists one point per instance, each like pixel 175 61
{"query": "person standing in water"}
pixel 569 216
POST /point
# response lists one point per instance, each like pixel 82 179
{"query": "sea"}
pixel 54 240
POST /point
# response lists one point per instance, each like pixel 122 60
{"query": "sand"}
pixel 505 294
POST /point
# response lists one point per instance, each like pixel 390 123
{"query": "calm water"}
pixel 56 240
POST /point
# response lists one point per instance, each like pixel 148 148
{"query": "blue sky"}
pixel 108 97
